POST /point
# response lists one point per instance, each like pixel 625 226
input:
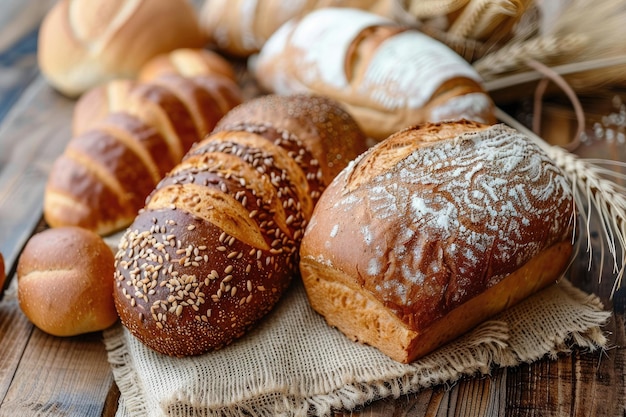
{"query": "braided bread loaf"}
pixel 126 136
pixel 217 242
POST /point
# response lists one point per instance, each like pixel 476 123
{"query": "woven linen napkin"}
pixel 294 364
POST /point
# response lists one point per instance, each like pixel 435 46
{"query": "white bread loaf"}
pixel 216 244
pixel 83 43
pixel 241 27
pixel 388 76
pixel 434 230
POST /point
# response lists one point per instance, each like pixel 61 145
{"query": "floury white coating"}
pixel 405 70
pixel 490 196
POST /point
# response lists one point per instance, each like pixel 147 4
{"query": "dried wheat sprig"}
pixel 513 56
pixel 592 190
pixel 479 14
pixel 425 9
pixel 565 69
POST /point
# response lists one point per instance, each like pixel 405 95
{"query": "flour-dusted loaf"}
pixel 388 76
pixel 216 244
pixel 434 230
pixel 241 27
pixel 127 136
pixel 83 43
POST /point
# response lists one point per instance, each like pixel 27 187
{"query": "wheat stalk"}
pixel 514 56
pixel 423 9
pixel 593 190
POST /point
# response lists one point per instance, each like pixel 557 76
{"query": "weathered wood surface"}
pixel 46 375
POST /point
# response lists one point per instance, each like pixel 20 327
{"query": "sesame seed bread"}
pixel 84 43
pixel 64 282
pixel 216 244
pixel 432 231
pixel 127 135
pixel 386 75
pixel 325 128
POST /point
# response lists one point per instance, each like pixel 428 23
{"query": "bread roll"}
pixel 434 230
pixel 240 27
pixel 65 284
pixel 128 135
pixel 216 244
pixel 387 76
pixel 83 43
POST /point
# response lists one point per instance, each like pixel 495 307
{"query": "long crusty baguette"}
pixel 388 76
pixel 217 242
pixel 127 135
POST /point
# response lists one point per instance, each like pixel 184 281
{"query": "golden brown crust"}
pixel 128 136
pixel 216 244
pixel 187 62
pixel 65 282
pixel 433 217
pixel 321 124
pixel 85 43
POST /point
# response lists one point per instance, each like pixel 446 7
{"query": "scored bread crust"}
pixel 434 230
pixel 388 76
pixel 216 244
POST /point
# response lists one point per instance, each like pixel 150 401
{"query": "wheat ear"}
pixel 592 190
pixel 514 56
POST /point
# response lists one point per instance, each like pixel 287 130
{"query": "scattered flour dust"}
pixel 479 196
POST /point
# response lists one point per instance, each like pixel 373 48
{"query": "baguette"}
pixel 386 75
pixel 126 136
pixel 434 230
pixel 216 243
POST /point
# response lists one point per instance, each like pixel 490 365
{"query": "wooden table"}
pixel 46 375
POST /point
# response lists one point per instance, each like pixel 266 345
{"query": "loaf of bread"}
pixel 388 76
pixel 216 244
pixel 126 136
pixel 65 285
pixel 188 63
pixel 83 43
pixel 432 231
pixel 240 27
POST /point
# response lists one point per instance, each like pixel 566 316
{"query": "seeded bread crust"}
pixel 434 230
pixel 323 126
pixel 216 244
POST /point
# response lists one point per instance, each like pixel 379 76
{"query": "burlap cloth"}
pixel 293 364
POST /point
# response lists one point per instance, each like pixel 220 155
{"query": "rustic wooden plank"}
pixel 34 133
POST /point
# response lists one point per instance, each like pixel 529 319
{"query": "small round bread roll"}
pixel 83 43
pixel 434 230
pixel 65 282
